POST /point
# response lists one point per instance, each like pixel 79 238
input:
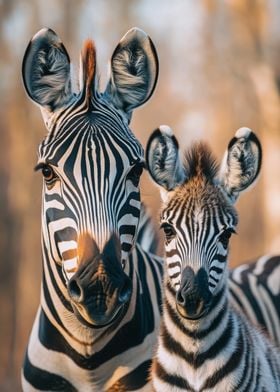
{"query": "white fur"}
pixel 166 129
pixel 243 132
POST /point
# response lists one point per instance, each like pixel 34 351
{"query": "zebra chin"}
pixel 91 317
pixel 197 314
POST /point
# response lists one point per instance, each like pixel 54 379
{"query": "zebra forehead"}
pixel 89 131
pixel 196 200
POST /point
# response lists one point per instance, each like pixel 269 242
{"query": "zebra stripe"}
pixel 254 290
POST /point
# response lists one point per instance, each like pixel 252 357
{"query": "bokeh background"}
pixel 219 70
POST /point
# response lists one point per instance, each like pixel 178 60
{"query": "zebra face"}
pixel 91 163
pixel 198 215
pixel 197 221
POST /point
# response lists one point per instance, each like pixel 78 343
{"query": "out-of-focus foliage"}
pixel 219 70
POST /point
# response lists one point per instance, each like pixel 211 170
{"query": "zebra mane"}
pixel 88 67
pixel 200 162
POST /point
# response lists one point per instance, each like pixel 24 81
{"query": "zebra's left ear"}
pixel 46 71
pixel 134 71
pixel 163 159
pixel 241 163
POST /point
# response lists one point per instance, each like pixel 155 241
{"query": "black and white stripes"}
pixel 98 317
pixel 254 289
pixel 204 343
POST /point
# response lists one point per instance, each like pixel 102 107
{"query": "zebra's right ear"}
pixel 163 158
pixel 241 164
pixel 46 71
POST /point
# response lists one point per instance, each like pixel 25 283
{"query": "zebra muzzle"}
pixel 100 289
pixel 193 298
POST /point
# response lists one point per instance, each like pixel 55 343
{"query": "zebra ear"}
pixel 241 163
pixel 163 159
pixel 134 71
pixel 46 71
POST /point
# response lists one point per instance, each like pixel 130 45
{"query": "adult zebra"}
pixel 99 311
pixel 204 343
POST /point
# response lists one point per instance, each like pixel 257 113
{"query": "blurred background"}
pixel 219 70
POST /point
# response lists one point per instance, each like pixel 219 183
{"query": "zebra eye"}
pixel 47 171
pixel 135 173
pixel 169 230
pixel 225 236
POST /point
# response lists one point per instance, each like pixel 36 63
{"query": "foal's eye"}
pixel 225 236
pixel 169 230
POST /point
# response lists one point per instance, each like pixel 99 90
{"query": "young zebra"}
pixel 100 300
pixel 204 343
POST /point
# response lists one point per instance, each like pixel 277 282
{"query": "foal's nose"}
pixel 193 297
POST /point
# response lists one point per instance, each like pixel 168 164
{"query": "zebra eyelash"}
pixel 41 165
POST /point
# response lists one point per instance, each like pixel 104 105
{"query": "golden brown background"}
pixel 219 70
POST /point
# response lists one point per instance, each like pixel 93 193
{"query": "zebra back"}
pixel 254 290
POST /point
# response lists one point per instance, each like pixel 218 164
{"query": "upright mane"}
pixel 88 63
pixel 200 162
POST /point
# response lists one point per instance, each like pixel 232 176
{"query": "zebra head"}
pixel 91 163
pixel 198 214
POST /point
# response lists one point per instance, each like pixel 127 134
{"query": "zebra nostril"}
pixel 180 299
pixel 75 291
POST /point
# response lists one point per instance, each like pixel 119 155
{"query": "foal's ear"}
pixel 241 164
pixel 163 158
pixel 134 71
pixel 46 71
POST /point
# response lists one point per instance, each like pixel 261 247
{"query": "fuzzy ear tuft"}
pixel 46 71
pixel 241 164
pixel 134 71
pixel 163 160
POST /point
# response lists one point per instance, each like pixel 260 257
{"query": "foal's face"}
pixel 198 214
pixel 198 221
